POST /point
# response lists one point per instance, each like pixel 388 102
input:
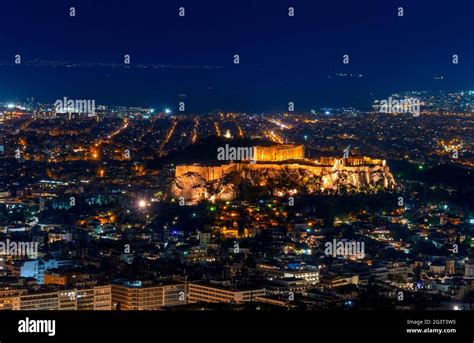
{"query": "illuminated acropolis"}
pixel 283 161
pixel 280 153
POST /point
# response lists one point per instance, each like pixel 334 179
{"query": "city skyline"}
pixel 284 167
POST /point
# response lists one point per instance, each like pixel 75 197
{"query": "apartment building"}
pixel 137 295
pixel 96 298
pixel 7 295
pixel 200 292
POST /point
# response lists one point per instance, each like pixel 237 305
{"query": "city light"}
pixel 267 176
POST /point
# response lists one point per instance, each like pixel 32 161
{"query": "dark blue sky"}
pixel 282 59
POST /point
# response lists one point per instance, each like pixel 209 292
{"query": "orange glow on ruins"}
pixel 280 165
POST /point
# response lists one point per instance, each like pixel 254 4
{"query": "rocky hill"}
pixel 198 182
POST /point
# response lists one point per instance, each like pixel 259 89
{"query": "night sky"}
pixel 282 58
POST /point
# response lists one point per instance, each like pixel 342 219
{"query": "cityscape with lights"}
pixel 129 199
pixel 298 165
